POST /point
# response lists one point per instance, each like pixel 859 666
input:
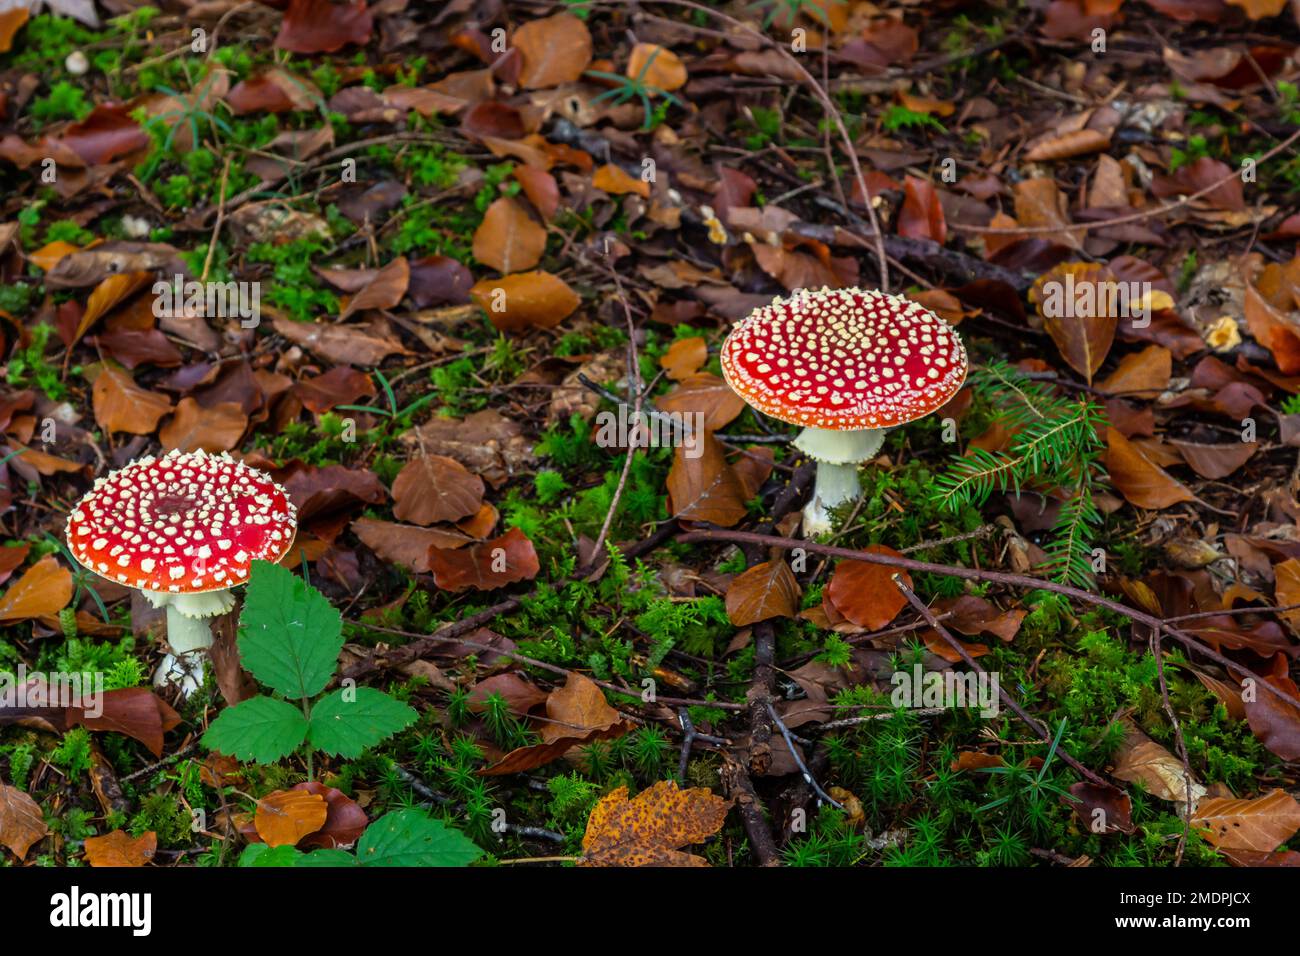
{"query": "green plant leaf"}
pixel 326 858
pixel 259 854
pixel 346 728
pixel 260 728
pixel 413 838
pixel 289 634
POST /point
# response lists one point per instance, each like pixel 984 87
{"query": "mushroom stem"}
pixel 838 454
pixel 189 633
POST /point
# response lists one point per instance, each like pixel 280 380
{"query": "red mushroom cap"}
pixel 844 359
pixel 184 523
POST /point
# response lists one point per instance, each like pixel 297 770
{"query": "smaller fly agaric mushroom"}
pixel 183 530
pixel 846 364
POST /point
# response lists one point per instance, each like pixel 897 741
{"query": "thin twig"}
pixel 634 386
pixel 997 577
pixel 803 768
pixel 1030 721
pixel 1158 654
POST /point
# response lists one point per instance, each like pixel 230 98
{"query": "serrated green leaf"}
pixel 326 858
pixel 260 728
pixel 345 728
pixel 289 634
pixel 259 854
pixel 413 838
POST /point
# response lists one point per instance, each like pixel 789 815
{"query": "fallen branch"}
pixel 997 577
pixel 1031 722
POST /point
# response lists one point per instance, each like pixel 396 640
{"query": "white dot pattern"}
pixel 183 523
pixel 844 359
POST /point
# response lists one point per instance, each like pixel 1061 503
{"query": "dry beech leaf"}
pixel 11 21
pixel 1115 805
pixel 122 406
pixel 1142 374
pixel 1274 722
pixel 1082 330
pixel 613 180
pixel 107 133
pixel 971 614
pixel 684 357
pixel 706 394
pixel 1262 824
pixel 134 711
pixel 286 816
pixel 345 821
pixel 120 849
pixel 921 216
pixel 656 66
pixel 323 26
pixel 109 294
pixel 1142 759
pixel 526 300
pixel 865 593
pixel 21 820
pixel 1216 461
pixel 705 487
pixel 366 345
pixel 1228 694
pixel 44 590
pixel 1039 204
pixel 1287 588
pixel 508 239
pixel 1274 330
pixel 273 91
pixel 1141 482
pixel 1077 142
pixel 487 565
pixel 1260 9
pixel 753 467
pixel 651 829
pixel 214 429
pixel 764 591
pixel 555 50
pixel 576 713
pixel 1203 173
pixel 433 488
pixel 406 544
pixel 940 647
pixel 577 709
pixel 385 291
pixel 541 189
pixel 520 695
pixel 49 255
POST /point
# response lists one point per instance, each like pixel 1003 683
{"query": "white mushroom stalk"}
pixel 183 530
pixel 837 454
pixel 847 364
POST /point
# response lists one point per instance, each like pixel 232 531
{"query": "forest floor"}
pixel 467 242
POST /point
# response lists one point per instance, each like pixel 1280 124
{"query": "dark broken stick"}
pixel 803 768
pixel 763 685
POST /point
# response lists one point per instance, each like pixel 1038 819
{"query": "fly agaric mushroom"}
pixel 183 530
pixel 846 364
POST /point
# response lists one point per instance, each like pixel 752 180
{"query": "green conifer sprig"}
pixel 1057 447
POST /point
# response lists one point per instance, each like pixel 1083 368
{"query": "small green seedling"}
pixel 627 87
pixel 290 637
pixel 1037 786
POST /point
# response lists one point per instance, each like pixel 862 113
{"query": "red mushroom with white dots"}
pixel 183 529
pixel 846 364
